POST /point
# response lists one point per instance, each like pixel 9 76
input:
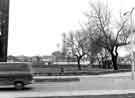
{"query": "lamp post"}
pixel 131 43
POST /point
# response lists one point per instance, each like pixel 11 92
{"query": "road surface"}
pixel 104 84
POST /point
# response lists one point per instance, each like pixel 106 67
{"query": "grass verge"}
pixel 76 73
pixel 57 80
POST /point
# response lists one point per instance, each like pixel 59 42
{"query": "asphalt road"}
pixel 86 85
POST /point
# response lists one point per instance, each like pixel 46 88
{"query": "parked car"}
pixel 16 73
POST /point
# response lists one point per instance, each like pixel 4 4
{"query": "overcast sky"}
pixel 36 26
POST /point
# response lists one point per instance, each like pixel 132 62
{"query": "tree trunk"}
pixel 78 62
pixel 114 59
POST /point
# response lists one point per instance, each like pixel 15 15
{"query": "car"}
pixel 17 74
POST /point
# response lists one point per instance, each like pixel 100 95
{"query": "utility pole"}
pixel 4 22
pixel 132 44
pixel 130 13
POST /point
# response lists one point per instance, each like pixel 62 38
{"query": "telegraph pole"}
pixel 130 13
pixel 132 44
pixel 4 23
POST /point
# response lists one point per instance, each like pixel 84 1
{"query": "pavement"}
pixel 73 93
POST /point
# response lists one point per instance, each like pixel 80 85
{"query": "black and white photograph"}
pixel 67 48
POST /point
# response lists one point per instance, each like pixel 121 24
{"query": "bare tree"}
pixel 100 19
pixel 93 50
pixel 76 43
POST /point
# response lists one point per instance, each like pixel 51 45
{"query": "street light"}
pixel 132 43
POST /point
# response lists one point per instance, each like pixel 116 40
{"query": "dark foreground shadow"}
pixel 9 89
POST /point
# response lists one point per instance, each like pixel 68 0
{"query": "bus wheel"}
pixel 19 85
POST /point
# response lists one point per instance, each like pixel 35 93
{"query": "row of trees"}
pixel 101 36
